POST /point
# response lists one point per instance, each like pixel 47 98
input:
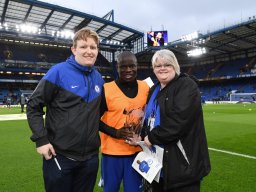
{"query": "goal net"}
pixel 243 97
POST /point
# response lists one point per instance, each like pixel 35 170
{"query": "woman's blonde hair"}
pixel 167 56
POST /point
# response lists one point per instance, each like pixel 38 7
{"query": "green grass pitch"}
pixel 229 127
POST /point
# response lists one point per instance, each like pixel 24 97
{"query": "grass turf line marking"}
pixel 233 153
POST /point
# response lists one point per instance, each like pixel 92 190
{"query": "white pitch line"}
pixel 13 117
pixel 233 153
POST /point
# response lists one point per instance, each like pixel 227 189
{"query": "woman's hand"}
pixel 147 142
pixel 134 140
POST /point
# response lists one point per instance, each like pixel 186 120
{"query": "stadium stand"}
pixel 35 35
pixel 228 64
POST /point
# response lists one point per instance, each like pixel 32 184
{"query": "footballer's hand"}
pixel 123 133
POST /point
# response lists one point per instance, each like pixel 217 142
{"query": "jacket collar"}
pixel 71 60
pixel 168 84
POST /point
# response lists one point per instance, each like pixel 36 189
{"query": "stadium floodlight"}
pixel 65 34
pixel 26 28
pixel 196 52
pixel 199 41
pixel 111 42
pixel 6 26
pixel 17 28
pixel 190 36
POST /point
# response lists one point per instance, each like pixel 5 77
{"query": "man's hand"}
pixel 46 150
pixel 124 133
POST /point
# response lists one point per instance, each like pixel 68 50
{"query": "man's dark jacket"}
pixel 71 94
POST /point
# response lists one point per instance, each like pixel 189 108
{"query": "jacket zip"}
pixel 86 79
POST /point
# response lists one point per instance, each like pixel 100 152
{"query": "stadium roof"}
pixel 50 19
pixel 236 40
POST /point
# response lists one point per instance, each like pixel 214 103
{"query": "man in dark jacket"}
pixel 69 140
pixel 175 122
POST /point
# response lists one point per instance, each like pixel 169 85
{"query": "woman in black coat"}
pixel 174 119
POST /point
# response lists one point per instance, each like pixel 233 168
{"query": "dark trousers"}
pixel 74 176
pixel 194 187
pixel 22 107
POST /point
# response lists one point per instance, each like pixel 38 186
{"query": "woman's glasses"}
pixel 166 65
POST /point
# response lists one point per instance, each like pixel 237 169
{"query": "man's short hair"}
pixel 83 34
pixel 125 54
